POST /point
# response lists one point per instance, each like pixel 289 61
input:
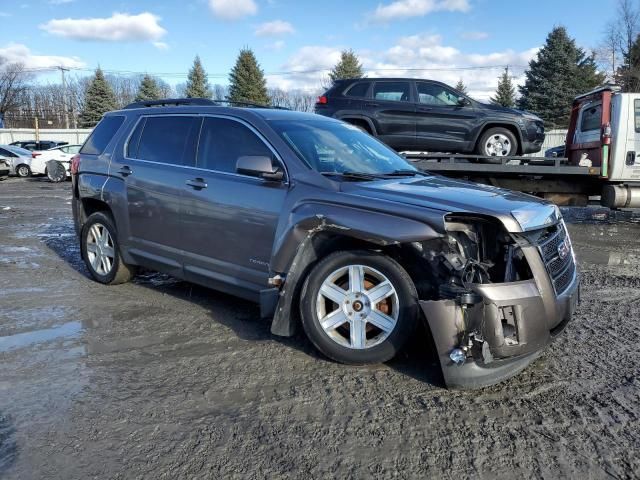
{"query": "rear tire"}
pixel 101 251
pixel 55 171
pixel 497 142
pixel 359 307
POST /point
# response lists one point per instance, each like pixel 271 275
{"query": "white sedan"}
pixel 62 154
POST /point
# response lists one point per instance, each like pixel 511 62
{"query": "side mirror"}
pixel 259 166
pixel 463 102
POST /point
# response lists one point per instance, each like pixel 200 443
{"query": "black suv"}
pixel 424 115
pixel 324 225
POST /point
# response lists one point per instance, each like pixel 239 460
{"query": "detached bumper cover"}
pixel 515 321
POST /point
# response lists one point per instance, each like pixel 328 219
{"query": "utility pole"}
pixel 64 96
pixel 35 124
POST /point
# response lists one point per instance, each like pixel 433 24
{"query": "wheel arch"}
pixel 360 120
pixel 511 126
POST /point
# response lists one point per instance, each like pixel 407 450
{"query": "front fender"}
pixel 313 224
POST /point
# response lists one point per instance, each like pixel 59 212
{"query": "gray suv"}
pixel 324 226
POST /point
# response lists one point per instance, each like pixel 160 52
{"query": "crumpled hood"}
pixel 449 195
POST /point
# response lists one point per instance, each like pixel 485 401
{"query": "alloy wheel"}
pixel 497 145
pixel 100 249
pixel 357 306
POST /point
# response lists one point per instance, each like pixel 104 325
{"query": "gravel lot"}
pixel 164 379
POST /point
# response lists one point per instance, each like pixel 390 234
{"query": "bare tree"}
pixel 607 52
pixel 13 84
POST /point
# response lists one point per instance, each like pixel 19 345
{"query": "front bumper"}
pixel 536 314
pixel 532 137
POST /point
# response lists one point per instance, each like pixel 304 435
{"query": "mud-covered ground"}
pixel 162 379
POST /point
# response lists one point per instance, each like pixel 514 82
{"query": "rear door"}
pixel 442 124
pixel 391 106
pixel 230 219
pixel 631 161
pixel 154 172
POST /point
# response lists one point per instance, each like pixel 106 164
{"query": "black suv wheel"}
pixel 359 307
pixel 497 142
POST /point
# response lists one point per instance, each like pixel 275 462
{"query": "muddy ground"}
pixel 162 379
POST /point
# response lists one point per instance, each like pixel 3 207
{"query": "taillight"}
pixel 34 154
pixel 75 164
pixel 322 100
pixel 606 134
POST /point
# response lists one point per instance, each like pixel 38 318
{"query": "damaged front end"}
pixel 493 298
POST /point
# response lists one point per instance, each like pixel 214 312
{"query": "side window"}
pixel 63 149
pixel 102 135
pixel 636 112
pixel 168 139
pixel 394 91
pixel 592 118
pixel 6 153
pixel 359 89
pixel 437 95
pixel 222 141
pixel 74 149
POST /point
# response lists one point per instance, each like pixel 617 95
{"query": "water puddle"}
pixel 21 340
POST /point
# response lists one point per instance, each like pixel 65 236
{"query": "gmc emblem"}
pixel 564 249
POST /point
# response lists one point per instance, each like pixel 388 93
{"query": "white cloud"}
pixel 60 2
pixel 416 56
pixel 475 35
pixel 19 53
pixel 233 9
pixel 403 9
pixel 274 29
pixel 117 28
pixel 161 45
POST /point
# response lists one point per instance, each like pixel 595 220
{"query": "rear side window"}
pixel 636 111
pixel 395 91
pixel 591 118
pixel 168 139
pixel 102 135
pixel 358 90
pixel 223 141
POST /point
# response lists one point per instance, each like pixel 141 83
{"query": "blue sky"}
pixel 162 37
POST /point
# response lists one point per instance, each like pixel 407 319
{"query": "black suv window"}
pixel 168 139
pixel 223 140
pixel 395 91
pixel 359 89
pixel 102 135
pixel 434 94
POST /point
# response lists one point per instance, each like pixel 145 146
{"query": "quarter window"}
pixel 223 141
pixel 394 91
pixel 102 135
pixel 592 118
pixel 168 139
pixel 437 95
pixel 360 89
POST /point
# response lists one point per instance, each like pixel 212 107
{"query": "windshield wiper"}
pixel 403 173
pixel 353 175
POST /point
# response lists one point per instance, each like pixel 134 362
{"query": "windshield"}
pixel 335 147
pixel 18 151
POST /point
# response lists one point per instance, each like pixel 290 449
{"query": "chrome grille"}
pixel 561 270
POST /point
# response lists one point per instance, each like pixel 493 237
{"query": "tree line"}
pixel 560 71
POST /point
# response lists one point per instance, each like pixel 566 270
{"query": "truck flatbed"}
pixel 476 165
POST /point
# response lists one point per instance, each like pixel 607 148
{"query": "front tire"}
pixel 101 252
pixel 23 171
pixel 359 307
pixel 497 142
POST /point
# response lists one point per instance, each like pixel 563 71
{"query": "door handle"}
pixel 371 104
pixel 125 171
pixel 424 109
pixel 197 183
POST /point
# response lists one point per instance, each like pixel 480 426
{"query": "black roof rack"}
pixel 167 102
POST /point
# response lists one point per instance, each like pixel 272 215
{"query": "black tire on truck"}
pixel 359 307
pixel 497 142
pixel 56 171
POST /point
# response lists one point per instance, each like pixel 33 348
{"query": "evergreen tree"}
pixel 628 74
pixel 349 66
pixel 98 100
pixel 246 80
pixel 461 87
pixel 197 84
pixel 506 92
pixel 559 73
pixel 149 89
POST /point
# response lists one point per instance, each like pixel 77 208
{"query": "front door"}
pixel 442 123
pixel 229 219
pixel 154 175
